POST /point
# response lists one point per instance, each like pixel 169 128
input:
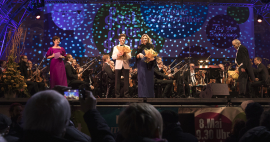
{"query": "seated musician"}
pixel 190 80
pixel 262 76
pixel 31 86
pixel 73 78
pixel 30 70
pixel 159 77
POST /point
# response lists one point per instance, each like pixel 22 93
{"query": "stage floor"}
pixel 156 101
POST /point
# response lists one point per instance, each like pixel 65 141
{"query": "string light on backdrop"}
pixel 259 18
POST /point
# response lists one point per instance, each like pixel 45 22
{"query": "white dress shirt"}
pixel 120 63
pixel 236 57
pixel 192 74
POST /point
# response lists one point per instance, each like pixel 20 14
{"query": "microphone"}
pixel 266 59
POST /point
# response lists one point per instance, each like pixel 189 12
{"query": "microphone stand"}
pixel 189 79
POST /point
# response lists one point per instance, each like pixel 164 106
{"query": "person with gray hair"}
pixel 141 122
pixel 244 67
pixel 46 118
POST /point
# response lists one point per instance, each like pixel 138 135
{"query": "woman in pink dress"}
pixel 57 66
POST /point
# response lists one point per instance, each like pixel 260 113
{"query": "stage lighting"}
pixel 259 18
pixel 37 14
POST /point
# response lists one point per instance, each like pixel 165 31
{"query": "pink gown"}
pixel 57 68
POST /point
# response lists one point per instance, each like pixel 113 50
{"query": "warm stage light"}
pixel 259 18
pixel 38 17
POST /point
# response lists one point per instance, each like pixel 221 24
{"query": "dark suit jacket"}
pixel 109 71
pixel 243 57
pixel 23 69
pixel 262 72
pixel 71 73
pixel 159 74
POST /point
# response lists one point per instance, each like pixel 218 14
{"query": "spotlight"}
pixel 38 15
pixel 259 18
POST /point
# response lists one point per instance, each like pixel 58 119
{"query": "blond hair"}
pixel 149 39
pixel 140 120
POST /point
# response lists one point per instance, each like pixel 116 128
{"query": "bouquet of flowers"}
pixel 12 81
pixel 123 49
pixel 150 54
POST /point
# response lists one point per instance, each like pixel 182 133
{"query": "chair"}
pixel 158 90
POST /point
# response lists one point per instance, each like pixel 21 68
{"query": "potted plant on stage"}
pixel 11 80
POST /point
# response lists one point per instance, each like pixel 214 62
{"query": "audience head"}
pixel 169 117
pixel 122 39
pixel 257 60
pixel 140 120
pixel 5 122
pixel 236 43
pixel 15 112
pixel 23 58
pixel 69 57
pixel 56 40
pixel 145 39
pixel 106 58
pixel 237 126
pixel 253 110
pixel 47 111
pixel 265 119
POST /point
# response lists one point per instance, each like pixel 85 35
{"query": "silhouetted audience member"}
pixel 4 127
pixel 238 125
pixel 253 113
pixel 141 122
pixel 172 130
pixel 260 133
pixel 15 112
pixel 46 118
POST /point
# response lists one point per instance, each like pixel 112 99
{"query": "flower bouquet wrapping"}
pixel 124 49
pixel 150 54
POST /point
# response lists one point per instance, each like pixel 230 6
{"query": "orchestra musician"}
pixel 190 74
pixel 159 77
pixel 108 67
pixel 37 73
pixel 262 76
pixel 222 74
pixel 73 77
pixel 31 86
pixel 245 68
pixel 121 66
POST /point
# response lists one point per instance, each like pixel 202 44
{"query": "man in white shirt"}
pixel 190 74
pixel 121 66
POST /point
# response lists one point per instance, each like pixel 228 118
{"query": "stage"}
pixel 157 101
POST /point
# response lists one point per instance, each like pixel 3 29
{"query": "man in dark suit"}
pixel 262 76
pixel 108 68
pixel 72 76
pixel 245 68
pixel 159 76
